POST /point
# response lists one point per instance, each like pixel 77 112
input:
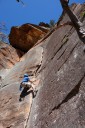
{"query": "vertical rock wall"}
pixel 60 101
pixel 57 67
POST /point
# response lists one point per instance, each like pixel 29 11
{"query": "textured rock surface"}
pixel 13 113
pixel 57 67
pixel 60 102
pixel 25 36
pixel 8 56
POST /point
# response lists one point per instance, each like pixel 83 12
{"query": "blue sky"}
pixel 13 13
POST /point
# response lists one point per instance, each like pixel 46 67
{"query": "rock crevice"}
pixel 70 95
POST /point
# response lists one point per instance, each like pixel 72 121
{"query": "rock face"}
pixel 60 102
pixel 25 36
pixel 8 56
pixel 57 67
pixel 13 113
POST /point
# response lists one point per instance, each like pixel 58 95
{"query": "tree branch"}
pixel 76 22
pixel 20 1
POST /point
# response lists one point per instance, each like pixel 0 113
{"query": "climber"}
pixel 26 84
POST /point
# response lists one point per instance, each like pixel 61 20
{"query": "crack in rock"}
pixel 38 67
pixel 70 95
pixel 68 56
pixel 27 119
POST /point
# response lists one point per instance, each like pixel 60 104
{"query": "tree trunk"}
pixel 76 22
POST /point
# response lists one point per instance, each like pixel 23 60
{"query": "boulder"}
pixel 25 36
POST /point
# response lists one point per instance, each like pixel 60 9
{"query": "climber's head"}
pixel 25 75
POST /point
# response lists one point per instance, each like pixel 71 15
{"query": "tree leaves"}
pixel 20 1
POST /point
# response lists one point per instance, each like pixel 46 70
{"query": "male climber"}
pixel 26 84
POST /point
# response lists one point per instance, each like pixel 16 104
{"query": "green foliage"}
pixel 52 23
pixel 3 36
pixel 44 24
pixel 83 14
pixel 65 39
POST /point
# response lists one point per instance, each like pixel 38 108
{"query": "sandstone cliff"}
pixel 25 36
pixel 57 67
pixel 9 56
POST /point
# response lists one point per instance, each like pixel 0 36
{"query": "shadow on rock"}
pixel 25 92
